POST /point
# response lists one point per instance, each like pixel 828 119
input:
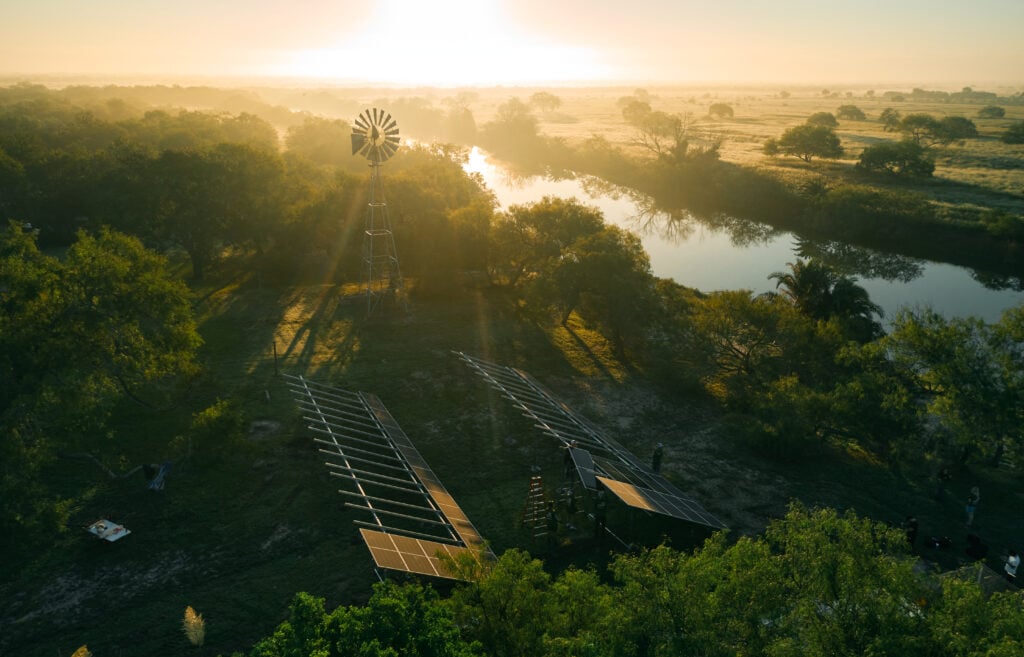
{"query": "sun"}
pixel 443 43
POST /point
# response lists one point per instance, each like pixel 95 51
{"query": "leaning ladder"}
pixel 534 515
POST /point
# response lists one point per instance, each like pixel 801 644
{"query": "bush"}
pixel 891 118
pixel 991 112
pixel 955 128
pixel 825 119
pixel 1014 134
pixel 721 110
pixel 904 158
pixel 851 112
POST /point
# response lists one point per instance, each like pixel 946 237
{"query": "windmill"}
pixel 375 137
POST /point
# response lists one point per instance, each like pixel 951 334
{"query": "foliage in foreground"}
pixel 817 583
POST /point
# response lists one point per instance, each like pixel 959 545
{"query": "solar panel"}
pixel 584 467
pixel 411 555
pixel 649 490
pixel 649 500
pixel 389 478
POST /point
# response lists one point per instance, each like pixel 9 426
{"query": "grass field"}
pixel 240 528
pixel 981 172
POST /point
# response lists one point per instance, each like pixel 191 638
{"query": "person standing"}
pixel 972 504
pixel 659 451
pixel 1010 568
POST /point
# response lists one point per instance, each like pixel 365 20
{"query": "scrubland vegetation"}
pixel 159 267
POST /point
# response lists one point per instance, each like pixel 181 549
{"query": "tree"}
pixel 924 129
pixel 851 112
pixel 508 607
pixel 721 110
pixel 663 134
pixel 634 111
pixel 968 374
pixel 397 620
pixel 890 119
pixel 202 200
pixel 324 141
pixel 954 129
pixel 545 101
pixel 105 323
pixel 821 293
pixel 991 112
pixel 918 127
pixel 514 130
pixel 527 237
pixel 903 158
pixel 606 278
pixel 809 141
pixel 1014 134
pixel 826 119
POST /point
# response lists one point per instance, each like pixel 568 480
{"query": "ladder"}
pixel 535 513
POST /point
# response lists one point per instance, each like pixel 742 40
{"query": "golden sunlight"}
pixel 443 43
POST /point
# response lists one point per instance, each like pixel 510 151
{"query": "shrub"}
pixel 851 112
pixel 904 158
pixel 823 119
pixel 955 128
pixel 721 110
pixel 1014 134
pixel 891 118
pixel 991 112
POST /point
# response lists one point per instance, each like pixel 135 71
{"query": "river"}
pixel 724 253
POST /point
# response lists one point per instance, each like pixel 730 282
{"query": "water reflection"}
pixel 721 252
pixel 857 261
pixel 998 281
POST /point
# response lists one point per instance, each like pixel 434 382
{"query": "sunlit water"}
pixel 708 258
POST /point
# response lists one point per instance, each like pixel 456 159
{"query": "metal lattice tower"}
pixel 375 136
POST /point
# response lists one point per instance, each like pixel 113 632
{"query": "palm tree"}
pixel 822 293
pixel 808 286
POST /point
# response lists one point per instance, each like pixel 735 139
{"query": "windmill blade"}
pixel 375 135
pixel 358 142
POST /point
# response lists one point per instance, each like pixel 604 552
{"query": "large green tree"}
pixel 968 373
pixel 77 335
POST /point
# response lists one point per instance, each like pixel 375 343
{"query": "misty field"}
pixel 982 171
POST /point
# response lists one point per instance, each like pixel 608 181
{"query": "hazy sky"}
pixel 455 42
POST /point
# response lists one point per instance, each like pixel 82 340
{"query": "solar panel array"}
pixel 412 555
pixel 388 478
pixel 637 485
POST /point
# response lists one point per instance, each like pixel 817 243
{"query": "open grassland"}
pixel 981 172
pixel 247 520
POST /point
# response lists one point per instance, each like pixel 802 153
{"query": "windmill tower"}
pixel 375 136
